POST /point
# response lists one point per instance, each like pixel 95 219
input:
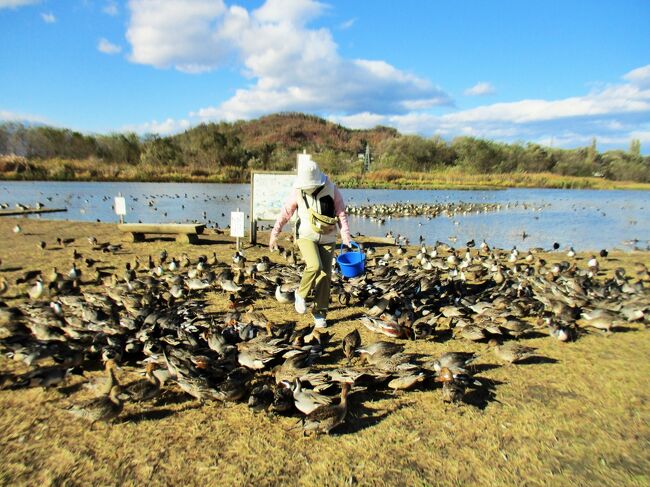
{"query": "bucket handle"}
pixel 352 242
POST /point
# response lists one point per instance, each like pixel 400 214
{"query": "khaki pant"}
pixel 317 274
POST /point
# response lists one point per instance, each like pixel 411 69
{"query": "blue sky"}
pixel 554 72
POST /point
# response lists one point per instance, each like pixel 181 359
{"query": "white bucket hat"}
pixel 309 175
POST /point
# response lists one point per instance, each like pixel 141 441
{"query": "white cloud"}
pixel 292 67
pixel 17 3
pixel 613 114
pixel 107 47
pixel 110 8
pixel 166 127
pixel 481 88
pixel 363 120
pixel 176 33
pixel 48 18
pixel 9 116
pixel 639 77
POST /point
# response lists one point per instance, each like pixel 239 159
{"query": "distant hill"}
pixel 228 152
pixel 297 131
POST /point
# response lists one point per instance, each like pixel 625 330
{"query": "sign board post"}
pixel 237 225
pixel 120 206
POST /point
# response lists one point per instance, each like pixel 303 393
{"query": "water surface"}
pixel 583 219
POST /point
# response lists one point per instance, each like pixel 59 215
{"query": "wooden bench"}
pixel 186 233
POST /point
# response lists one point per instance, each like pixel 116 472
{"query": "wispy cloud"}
pixel 48 17
pixel 110 9
pixel 17 3
pixel 481 88
pixel 347 24
pixel 108 47
pixel 166 127
pixel 9 116
pixel 613 114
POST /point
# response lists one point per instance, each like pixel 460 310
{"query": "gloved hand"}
pixel 346 242
pixel 273 245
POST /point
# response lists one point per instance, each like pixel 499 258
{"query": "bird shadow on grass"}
pixel 203 241
pixel 442 336
pixel 172 397
pixel 537 359
pixel 11 269
pixel 480 397
pixel 361 417
pixel 623 329
pixel 72 388
pixel 156 414
pixel 350 317
pixel 478 368
pixel 534 334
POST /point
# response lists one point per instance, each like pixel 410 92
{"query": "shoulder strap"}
pixel 304 198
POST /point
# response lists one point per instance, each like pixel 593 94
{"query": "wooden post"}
pixel 253 221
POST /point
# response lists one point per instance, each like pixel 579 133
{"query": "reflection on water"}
pixel 584 219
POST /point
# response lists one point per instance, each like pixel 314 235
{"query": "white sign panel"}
pixel 120 205
pixel 270 191
pixel 236 223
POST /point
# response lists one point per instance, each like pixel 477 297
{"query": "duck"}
pixel 374 350
pixel 406 380
pixel 42 377
pixel 592 264
pixel 351 342
pixel 146 389
pixel 325 418
pixel 36 291
pixel 107 407
pixel 282 398
pixel 234 387
pixel 294 367
pixel 511 352
pixel 452 390
pixel 261 397
pixel 282 296
pixel 457 362
pixel 389 328
pixel 4 286
pixel 306 400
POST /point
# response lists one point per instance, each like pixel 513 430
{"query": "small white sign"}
pixel 237 224
pixel 120 205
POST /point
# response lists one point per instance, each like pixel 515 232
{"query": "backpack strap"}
pixel 304 198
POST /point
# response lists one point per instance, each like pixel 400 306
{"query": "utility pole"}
pixel 367 159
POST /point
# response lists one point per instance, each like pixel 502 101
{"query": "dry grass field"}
pixel 579 416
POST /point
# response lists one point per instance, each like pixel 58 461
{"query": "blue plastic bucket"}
pixel 351 263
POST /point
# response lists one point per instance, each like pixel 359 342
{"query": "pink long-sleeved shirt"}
pixel 291 205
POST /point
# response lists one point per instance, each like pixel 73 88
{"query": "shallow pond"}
pixel 584 219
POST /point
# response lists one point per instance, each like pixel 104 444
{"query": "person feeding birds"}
pixel 321 210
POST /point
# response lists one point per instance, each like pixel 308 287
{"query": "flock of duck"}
pixel 385 211
pixel 151 314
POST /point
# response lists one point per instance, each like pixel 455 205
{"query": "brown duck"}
pixel 511 352
pixel 327 417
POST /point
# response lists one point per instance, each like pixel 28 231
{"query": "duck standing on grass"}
pixel 328 416
pixel 320 209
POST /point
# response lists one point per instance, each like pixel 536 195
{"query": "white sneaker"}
pixel 301 306
pixel 319 321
